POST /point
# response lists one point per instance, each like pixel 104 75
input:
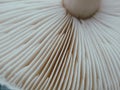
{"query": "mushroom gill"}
pixel 60 44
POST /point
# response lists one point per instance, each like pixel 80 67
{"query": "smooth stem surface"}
pixel 82 8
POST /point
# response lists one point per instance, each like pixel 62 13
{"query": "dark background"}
pixel 3 88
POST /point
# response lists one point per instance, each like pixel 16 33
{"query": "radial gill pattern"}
pixel 42 47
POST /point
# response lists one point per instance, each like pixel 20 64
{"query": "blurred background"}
pixel 3 87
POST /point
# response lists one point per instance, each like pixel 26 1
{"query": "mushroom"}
pixel 60 44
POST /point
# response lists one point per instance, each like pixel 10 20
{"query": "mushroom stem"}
pixel 82 8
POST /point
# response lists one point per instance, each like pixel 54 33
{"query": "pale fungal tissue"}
pixel 60 44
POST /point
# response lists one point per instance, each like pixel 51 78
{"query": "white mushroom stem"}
pixel 82 8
